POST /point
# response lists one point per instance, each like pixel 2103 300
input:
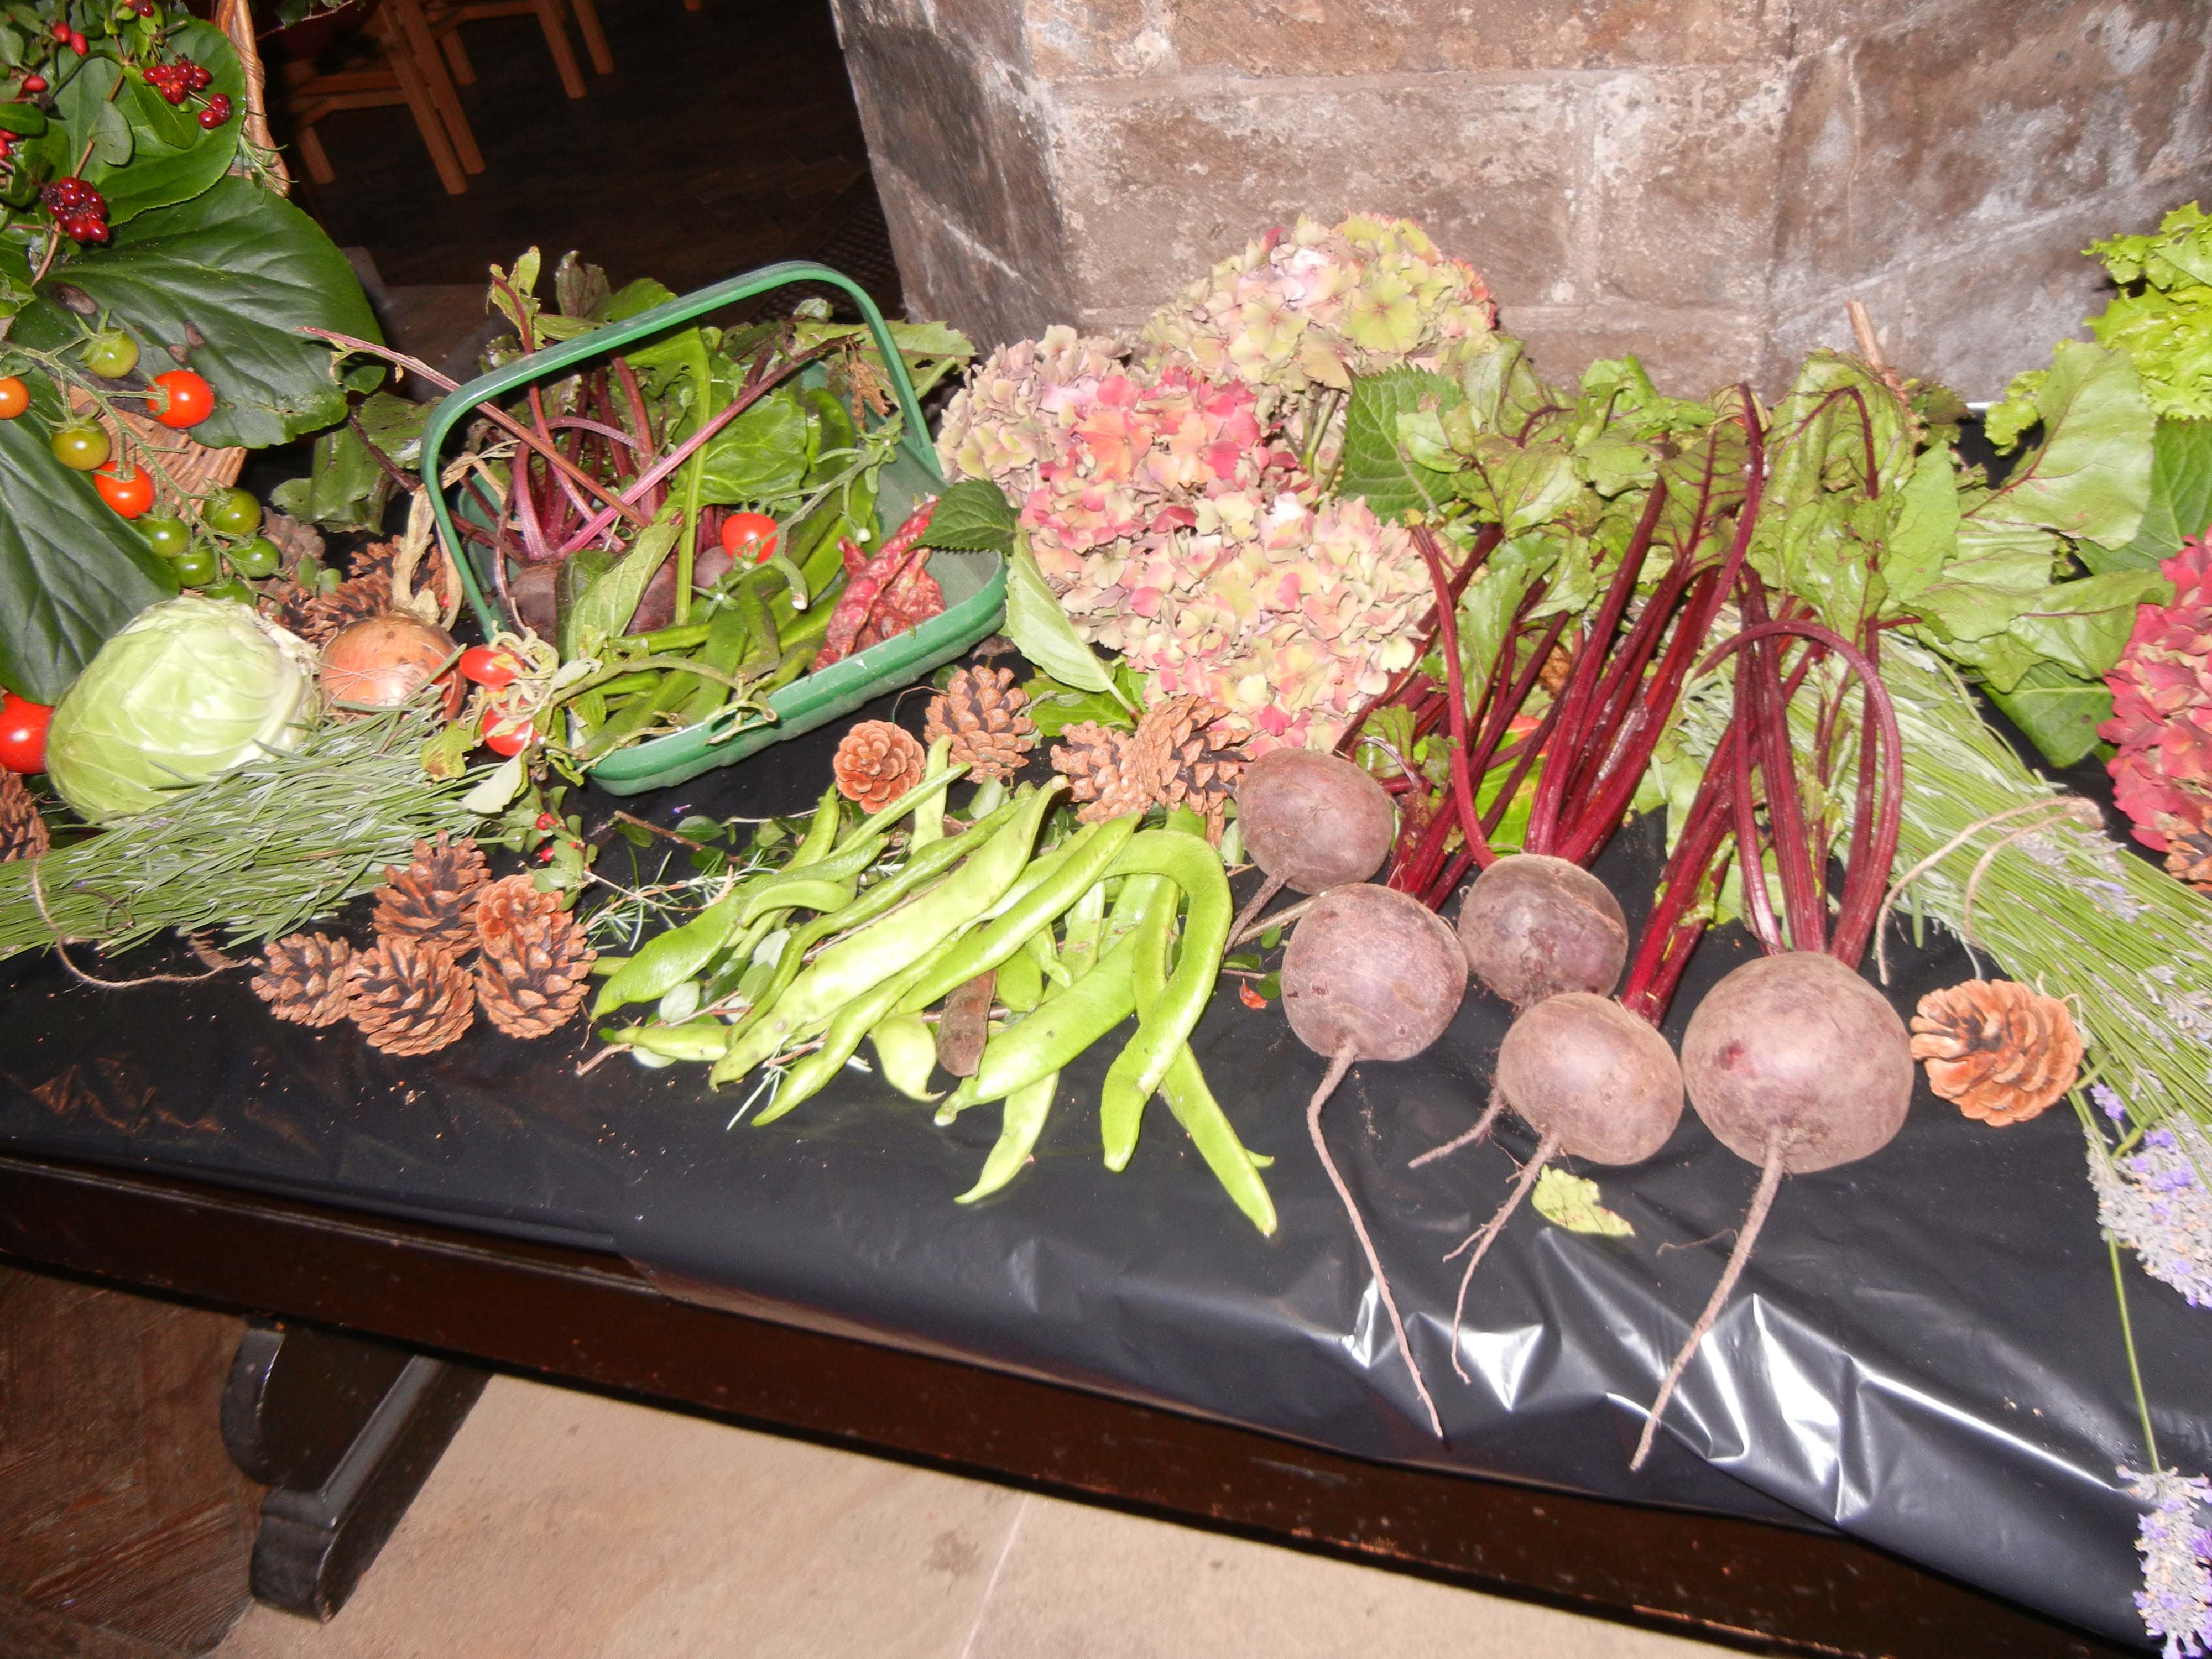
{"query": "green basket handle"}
pixel 457 404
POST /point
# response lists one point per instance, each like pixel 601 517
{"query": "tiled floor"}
pixel 564 1526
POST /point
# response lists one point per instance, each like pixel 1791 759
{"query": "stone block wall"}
pixel 1702 182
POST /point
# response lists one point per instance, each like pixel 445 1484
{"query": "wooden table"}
pixel 599 1321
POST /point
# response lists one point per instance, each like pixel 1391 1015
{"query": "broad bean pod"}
pixel 1194 866
pixel 1061 1029
pixel 842 1041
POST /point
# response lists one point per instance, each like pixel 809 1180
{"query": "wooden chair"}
pixel 406 69
pixel 446 18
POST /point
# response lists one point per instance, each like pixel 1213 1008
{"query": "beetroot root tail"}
pixel 1338 1066
pixel 1547 1150
pixel 1770 1180
pixel 1481 1130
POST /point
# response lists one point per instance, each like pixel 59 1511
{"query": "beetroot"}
pixel 1370 975
pixel 1310 822
pixel 1594 1081
pixel 1534 926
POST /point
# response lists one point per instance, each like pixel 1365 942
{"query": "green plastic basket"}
pixel 974 584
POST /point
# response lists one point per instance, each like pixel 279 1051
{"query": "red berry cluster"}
pixel 179 81
pixel 216 111
pixel 81 210
pixel 69 38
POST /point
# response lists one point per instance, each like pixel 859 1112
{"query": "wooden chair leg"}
pixel 695 5
pixel 312 152
pixel 427 119
pixel 556 40
pixel 595 38
pixel 416 44
pixel 456 58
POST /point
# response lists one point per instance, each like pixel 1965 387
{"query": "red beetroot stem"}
pixel 1454 688
pixel 1582 683
pixel 1804 895
pixel 1486 542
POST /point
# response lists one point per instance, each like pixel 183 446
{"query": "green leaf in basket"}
pixel 974 516
pixel 610 599
pixel 1041 632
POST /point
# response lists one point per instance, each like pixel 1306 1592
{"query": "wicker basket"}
pixel 195 467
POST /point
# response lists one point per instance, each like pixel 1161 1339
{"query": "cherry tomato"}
pixel 15 397
pixel 480 665
pixel 749 536
pixel 196 567
pixel 23 734
pixel 507 740
pixel 258 558
pixel 167 537
pixel 184 398
pixel 235 591
pixel 111 355
pixel 230 512
pixel 81 448
pixel 129 497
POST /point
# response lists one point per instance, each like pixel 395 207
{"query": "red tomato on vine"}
pixel 129 496
pixel 187 400
pixel 749 536
pixel 15 397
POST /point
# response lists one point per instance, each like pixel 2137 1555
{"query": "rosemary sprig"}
pixel 254 853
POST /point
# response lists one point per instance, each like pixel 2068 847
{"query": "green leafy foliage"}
pixel 2180 504
pixel 346 489
pixel 610 595
pixel 227 279
pixel 2162 318
pixel 1040 630
pixel 146 152
pixel 974 516
pixel 71 572
pixel 1376 463
pixel 2058 713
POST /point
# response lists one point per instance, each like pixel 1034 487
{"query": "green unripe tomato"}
pixel 167 537
pixel 228 589
pixel 197 566
pixel 84 447
pixel 256 559
pixel 229 512
pixel 112 355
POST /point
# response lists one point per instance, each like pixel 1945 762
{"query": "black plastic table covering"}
pixel 1924 1352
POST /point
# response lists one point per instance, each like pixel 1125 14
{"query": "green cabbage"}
pixel 189 690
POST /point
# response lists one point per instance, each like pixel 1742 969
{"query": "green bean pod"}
pixel 1020 983
pixel 1192 1101
pixel 827 895
pixel 697 1039
pixel 1121 1108
pixel 919 867
pixel 1027 1107
pixel 666 961
pixel 862 960
pixel 1194 866
pixel 1081 862
pixel 906 1053
pixel 1061 1028
pixel 840 1040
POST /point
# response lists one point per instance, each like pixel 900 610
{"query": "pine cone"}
pixel 22 831
pixel 316 617
pixel 1104 769
pixel 410 997
pixel 435 898
pixel 374 562
pixel 536 965
pixel 986 716
pixel 2188 853
pixel 2003 1051
pixel 305 979
pixel 877 763
pixel 1183 764
pixel 294 540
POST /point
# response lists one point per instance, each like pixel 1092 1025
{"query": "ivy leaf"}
pixel 1042 633
pixel 2180 504
pixel 974 516
pixel 229 279
pixel 2058 713
pixel 1374 463
pixel 71 572
pixel 1572 1202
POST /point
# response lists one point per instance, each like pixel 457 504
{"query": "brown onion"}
pixel 381 662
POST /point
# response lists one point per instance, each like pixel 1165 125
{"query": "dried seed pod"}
pixel 410 997
pixel 2002 1051
pixel 434 896
pixel 986 717
pixel 876 763
pixel 304 979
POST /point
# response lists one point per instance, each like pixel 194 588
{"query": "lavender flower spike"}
pixel 2176 1546
pixel 2155 1202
